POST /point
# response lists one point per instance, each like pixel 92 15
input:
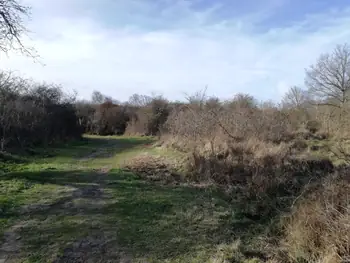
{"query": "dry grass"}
pixel 318 230
pixel 154 168
pixel 236 161
pixel 257 175
pixel 227 253
pixel 267 165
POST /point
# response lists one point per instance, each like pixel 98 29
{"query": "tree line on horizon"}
pixel 32 113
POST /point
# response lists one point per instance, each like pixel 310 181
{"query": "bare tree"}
pixel 329 79
pixel 11 26
pixel 295 98
pixel 97 97
pixel 242 100
pixel 139 100
pixel 198 98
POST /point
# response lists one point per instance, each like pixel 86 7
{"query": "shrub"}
pixel 148 119
pixel 32 113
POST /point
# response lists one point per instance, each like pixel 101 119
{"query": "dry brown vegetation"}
pixel 262 155
pixel 155 168
pixel 318 228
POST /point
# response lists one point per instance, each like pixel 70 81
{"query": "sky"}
pixel 178 47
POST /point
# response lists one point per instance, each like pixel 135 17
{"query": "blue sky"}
pixel 177 47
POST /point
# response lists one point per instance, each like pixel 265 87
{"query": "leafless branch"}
pixel 12 27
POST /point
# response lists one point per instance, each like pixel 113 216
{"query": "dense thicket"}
pixel 141 115
pixel 34 113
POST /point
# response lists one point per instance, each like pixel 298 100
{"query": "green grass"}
pixel 150 221
pixel 58 197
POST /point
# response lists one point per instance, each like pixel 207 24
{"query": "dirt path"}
pixel 99 246
pixel 11 244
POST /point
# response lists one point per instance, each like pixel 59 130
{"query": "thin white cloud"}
pixel 83 53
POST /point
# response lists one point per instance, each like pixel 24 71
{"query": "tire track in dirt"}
pixel 97 247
